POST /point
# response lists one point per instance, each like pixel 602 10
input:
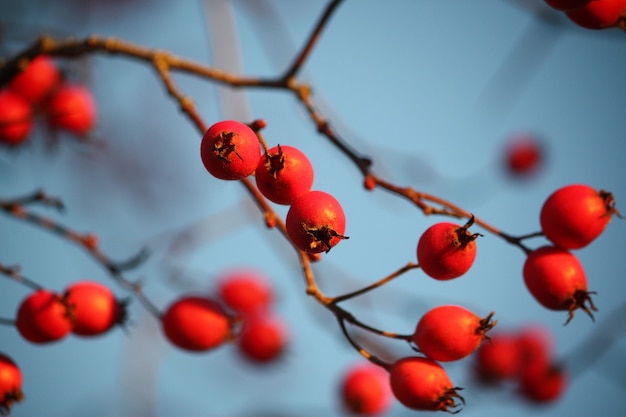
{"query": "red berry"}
pixel 263 338
pixel 446 250
pixel 230 150
pixel 245 291
pixel 44 317
pixel 365 390
pixel 10 384
pixel 574 215
pixel 196 323
pixel 422 384
pixel 16 118
pixel 598 14
pixel 283 174
pixel 449 333
pixel 567 4
pixel 38 80
pixel 523 155
pixel 535 345
pixel 543 384
pixel 95 308
pixel 315 222
pixel 72 108
pixel 557 280
pixel 498 360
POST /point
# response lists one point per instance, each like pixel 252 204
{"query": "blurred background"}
pixel 432 91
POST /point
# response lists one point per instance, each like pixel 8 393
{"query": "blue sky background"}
pixel 430 90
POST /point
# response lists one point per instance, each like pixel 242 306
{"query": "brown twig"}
pixel 88 242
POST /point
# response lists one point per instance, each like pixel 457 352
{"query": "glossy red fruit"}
pixel 316 222
pixel 446 250
pixel 245 291
pixel 598 14
pixel 567 4
pixel 283 174
pixel 575 215
pixel 95 308
pixel 72 108
pixel 557 280
pixel 16 118
pixel 38 80
pixel 543 384
pixel 10 384
pixel 523 155
pixel 230 150
pixel 422 384
pixel 196 323
pixel 44 317
pixel 263 338
pixel 499 360
pixel 450 332
pixel 365 390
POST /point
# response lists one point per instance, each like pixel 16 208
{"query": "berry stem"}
pixel 366 354
pixel 376 284
pixel 14 274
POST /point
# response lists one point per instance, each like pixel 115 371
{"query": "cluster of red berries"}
pixel 522 359
pixel 315 222
pixel 444 334
pixel 240 311
pixel 593 14
pixel 41 88
pixel 85 308
pixel 571 218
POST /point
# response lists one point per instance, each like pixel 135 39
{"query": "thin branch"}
pixel 312 39
pixel 376 284
pixel 72 48
pixel 367 355
pixel 7 322
pixel 90 244
pixel 14 274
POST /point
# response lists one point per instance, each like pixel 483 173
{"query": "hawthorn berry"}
pixel 542 384
pixel 95 308
pixel 283 174
pixel 446 250
pixel 10 384
pixel 557 280
pixel 38 80
pixel 72 108
pixel 263 338
pixel 422 384
pixel 535 346
pixel 575 215
pixel 315 222
pixel 196 323
pixel 16 118
pixel 449 333
pixel 245 291
pixel 365 390
pixel 230 150
pixel 44 317
pixel 499 360
pixel 598 14
pixel 523 155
